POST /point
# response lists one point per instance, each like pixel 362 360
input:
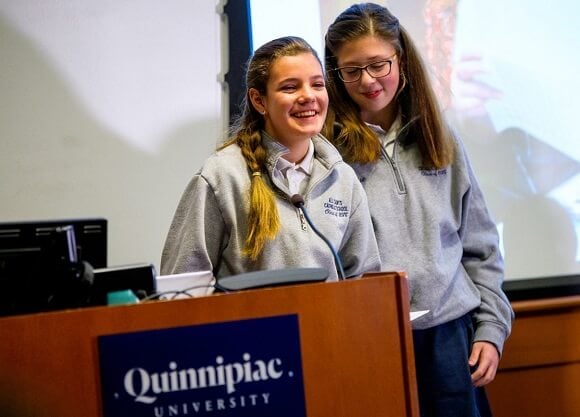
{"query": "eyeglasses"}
pixel 377 69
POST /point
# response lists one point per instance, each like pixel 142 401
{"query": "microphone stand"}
pixel 298 202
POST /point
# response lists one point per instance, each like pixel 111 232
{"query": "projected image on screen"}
pixel 516 118
pixel 505 74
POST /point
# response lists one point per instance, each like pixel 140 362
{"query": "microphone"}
pixel 298 202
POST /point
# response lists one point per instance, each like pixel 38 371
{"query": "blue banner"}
pixel 242 368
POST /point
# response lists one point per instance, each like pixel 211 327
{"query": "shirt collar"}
pixel 391 134
pixel 305 165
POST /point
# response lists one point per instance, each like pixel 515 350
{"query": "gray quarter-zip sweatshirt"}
pixel 434 224
pixel 210 224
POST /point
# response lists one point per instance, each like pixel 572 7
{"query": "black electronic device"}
pixel 140 278
pixel 48 264
pixel 271 278
pixel 21 241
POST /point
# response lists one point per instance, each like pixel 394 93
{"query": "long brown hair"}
pixel 419 110
pixel 263 218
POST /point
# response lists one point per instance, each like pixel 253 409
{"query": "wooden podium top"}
pixel 355 339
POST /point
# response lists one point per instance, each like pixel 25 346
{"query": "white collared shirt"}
pixel 388 138
pixel 292 174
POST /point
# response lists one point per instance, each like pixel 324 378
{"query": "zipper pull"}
pixel 302 220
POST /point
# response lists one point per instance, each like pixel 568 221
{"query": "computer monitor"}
pixel 47 264
pixel 23 239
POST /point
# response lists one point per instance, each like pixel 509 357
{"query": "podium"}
pixel 355 347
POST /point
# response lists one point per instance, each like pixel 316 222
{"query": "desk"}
pixel 539 373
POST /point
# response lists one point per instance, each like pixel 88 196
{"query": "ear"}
pixel 257 100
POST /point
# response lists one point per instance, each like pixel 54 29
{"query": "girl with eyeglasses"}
pixel 429 214
pixel 237 214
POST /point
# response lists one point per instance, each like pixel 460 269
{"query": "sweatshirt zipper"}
pixel 398 177
pixel 303 223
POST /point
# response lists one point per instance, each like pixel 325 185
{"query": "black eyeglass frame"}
pixel 360 69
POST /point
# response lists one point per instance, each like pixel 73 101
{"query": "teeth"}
pixel 305 113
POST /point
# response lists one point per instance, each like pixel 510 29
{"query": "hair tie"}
pixel 256 174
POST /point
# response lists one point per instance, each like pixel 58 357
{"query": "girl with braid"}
pixel 236 214
pixel 428 211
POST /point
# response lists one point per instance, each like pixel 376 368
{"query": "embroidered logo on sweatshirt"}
pixel 335 208
pixel 428 172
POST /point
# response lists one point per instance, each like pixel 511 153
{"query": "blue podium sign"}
pixel 239 368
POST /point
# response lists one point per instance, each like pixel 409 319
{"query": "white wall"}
pixel 107 108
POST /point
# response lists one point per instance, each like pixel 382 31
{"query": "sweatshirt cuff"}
pixel 490 332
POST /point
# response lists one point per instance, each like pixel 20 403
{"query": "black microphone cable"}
pixel 298 202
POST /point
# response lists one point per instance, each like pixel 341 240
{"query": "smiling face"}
pixel 295 102
pixel 374 96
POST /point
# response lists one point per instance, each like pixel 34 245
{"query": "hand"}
pixel 485 357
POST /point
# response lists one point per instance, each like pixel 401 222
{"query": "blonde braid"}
pixel 263 217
